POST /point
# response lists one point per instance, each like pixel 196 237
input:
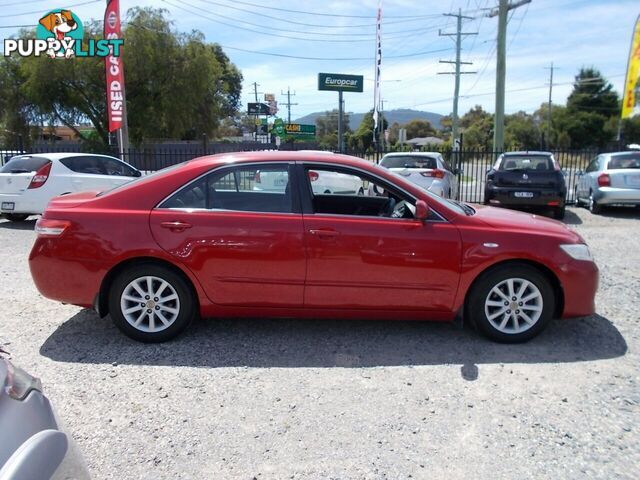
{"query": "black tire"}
pixel 16 217
pixel 481 289
pixel 594 206
pixel 578 201
pixel 559 212
pixel 187 306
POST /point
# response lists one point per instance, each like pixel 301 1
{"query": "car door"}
pixel 359 260
pixel 245 244
pixel 587 181
pixel 85 173
pixel 451 176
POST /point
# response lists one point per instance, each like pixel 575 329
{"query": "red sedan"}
pixel 248 234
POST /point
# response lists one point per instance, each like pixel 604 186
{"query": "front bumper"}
pixel 612 195
pixel 506 196
pixel 579 280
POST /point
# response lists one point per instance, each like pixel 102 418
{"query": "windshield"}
pixel 24 164
pixel 619 162
pixel 526 162
pixel 409 161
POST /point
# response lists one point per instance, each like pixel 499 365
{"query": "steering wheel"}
pixel 388 207
pixel 400 210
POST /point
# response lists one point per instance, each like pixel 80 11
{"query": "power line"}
pixel 39 12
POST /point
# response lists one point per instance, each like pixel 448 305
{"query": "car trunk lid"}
pixel 72 200
pixel 527 178
pixel 15 183
pixel 625 178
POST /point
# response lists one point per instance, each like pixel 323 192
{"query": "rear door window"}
pixel 87 164
pixel 116 167
pixel 24 164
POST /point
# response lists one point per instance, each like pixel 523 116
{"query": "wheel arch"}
pixel 102 299
pixel 543 269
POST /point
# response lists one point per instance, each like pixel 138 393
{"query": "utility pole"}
pixel 549 119
pixel 255 91
pixel 501 67
pixel 458 39
pixel 289 104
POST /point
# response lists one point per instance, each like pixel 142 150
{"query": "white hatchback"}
pixel 426 169
pixel 28 182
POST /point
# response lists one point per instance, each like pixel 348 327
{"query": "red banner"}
pixel 114 67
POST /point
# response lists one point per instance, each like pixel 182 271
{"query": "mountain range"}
pixel 401 115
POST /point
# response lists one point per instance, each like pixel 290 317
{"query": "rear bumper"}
pixel 579 281
pixel 610 195
pixel 20 204
pixel 541 197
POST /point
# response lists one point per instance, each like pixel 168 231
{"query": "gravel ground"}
pixel 276 399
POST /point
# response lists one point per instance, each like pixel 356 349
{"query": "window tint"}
pixel 24 164
pixel 409 161
pixel 526 162
pixel 116 167
pixel 624 161
pixel 248 189
pixel 85 164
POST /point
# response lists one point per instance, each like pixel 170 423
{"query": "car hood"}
pixel 505 219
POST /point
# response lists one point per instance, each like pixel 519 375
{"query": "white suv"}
pixel 28 182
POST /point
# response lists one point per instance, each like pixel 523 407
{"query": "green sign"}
pixel 300 131
pixel 339 81
pixel 278 128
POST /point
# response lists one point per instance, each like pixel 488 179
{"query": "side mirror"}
pixel 579 173
pixel 489 169
pixel 138 173
pixel 422 210
pixel 459 171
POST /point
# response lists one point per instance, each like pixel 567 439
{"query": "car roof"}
pixel 278 155
pixel 412 154
pixel 55 156
pixel 528 152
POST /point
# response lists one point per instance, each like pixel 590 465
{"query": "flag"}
pixel 378 63
pixel 631 100
pixel 114 68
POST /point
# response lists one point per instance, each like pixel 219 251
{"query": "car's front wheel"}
pixel 512 303
pixel 151 303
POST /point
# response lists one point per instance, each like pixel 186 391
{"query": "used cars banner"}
pixel 113 64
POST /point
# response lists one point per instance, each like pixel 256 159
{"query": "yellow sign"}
pixel 631 100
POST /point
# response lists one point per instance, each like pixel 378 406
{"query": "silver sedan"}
pixel 610 179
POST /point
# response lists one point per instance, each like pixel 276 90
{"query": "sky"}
pixel 339 37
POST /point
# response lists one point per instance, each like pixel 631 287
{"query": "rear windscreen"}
pixel 24 164
pixel 526 162
pixel 619 162
pixel 409 162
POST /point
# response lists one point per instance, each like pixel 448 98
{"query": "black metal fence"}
pixel 472 165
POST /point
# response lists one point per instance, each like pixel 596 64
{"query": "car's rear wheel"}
pixel 15 217
pixel 594 206
pixel 151 303
pixel 511 304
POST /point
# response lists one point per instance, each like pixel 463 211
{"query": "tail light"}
pixel 41 176
pixel 313 176
pixel 19 383
pixel 256 177
pixel 433 173
pixel 51 228
pixel 604 180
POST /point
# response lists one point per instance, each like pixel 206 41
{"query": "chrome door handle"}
pixel 324 234
pixel 176 226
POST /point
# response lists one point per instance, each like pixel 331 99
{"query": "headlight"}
pixel 578 251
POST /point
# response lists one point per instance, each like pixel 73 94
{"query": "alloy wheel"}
pixel 150 304
pixel 513 306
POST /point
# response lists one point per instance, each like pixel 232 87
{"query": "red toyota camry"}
pixel 293 234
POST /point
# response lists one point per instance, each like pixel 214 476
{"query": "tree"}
pixel 362 138
pixel 592 93
pixel 521 132
pixel 419 128
pixel 178 86
pixel 477 129
pixel 327 129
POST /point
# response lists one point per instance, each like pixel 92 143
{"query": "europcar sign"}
pixel 340 82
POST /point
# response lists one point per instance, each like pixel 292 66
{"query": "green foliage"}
pixel 592 93
pixel 178 86
pixel 362 138
pixel 477 129
pixel 419 128
pixel 521 132
pixel 631 129
pixel 327 129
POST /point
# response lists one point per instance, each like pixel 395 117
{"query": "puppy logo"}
pixel 62 26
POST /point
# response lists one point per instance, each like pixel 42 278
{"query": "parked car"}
pixel 32 444
pixel 426 169
pixel 527 180
pixel 157 252
pixel 28 182
pixel 610 179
